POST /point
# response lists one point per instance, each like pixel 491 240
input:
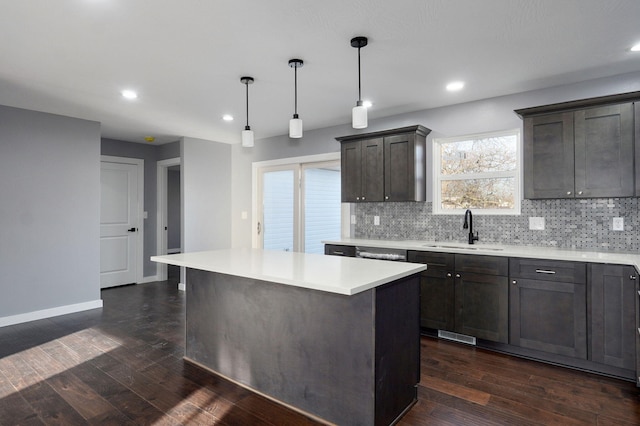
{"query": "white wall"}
pixel 206 192
pixel 462 119
pixel 49 214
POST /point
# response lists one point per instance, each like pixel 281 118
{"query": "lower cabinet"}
pixel 467 294
pixel 548 306
pixel 612 330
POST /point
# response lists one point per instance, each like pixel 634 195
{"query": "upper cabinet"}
pixel 581 149
pixel 384 166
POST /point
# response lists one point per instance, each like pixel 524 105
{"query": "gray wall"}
pixel 49 213
pixel 206 195
pixel 462 119
pixel 151 154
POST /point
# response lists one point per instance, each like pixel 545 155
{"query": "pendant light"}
pixel 295 124
pixel 359 112
pixel 247 133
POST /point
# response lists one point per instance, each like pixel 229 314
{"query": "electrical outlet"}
pixel 353 219
pixel 536 223
pixel 376 220
pixel 618 224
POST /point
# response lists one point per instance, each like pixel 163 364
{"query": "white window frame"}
pixel 283 164
pixel 516 174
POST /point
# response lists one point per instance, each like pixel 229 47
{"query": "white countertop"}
pixel 632 259
pixel 334 274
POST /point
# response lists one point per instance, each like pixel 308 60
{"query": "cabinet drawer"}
pixel 339 250
pixel 548 270
pixel 438 264
pixel 490 265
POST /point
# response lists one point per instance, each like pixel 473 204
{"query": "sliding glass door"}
pixel 299 206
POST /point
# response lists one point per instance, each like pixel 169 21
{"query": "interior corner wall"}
pixel 49 214
pixel 206 195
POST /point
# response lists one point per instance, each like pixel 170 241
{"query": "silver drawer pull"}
pixel 339 252
pixel 544 271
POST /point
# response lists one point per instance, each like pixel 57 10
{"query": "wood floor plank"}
pixel 123 364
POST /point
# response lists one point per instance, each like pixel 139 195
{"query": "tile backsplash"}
pixel 573 224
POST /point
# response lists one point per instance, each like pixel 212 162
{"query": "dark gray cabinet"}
pixel 467 294
pixel 384 166
pixel 362 170
pixel 548 306
pixel 339 250
pixel 482 297
pixel 612 331
pixel 636 112
pixel 436 289
pixel 580 149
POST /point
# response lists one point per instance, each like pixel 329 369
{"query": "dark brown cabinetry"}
pixel 436 289
pixel 548 307
pixel 384 166
pixel 467 294
pixel 581 149
pixel 612 331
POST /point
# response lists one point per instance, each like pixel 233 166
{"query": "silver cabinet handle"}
pixel 357 198
pixel 457 275
pixel 579 192
pixel 568 192
pixel 341 253
pixel 544 271
pixel 514 282
pixel 363 198
pixel 632 277
pixel 449 276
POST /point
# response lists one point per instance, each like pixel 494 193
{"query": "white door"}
pixel 118 223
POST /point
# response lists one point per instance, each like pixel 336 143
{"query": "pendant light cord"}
pixel 295 79
pixel 359 84
pixel 247 87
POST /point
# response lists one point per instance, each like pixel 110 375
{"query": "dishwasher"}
pixel 379 253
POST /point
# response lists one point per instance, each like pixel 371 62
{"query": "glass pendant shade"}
pixel 359 116
pixel 295 127
pixel 247 138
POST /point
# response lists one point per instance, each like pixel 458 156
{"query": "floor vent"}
pixel 462 338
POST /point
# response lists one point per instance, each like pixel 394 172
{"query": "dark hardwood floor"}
pixel 122 365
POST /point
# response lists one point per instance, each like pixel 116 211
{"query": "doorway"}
pixel 169 232
pixel 121 225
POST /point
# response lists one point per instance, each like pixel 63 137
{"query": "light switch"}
pixel 353 219
pixel 244 215
pixel 376 220
pixel 145 215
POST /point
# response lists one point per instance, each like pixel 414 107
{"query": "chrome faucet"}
pixel 468 224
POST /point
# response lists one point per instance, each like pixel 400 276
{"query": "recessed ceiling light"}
pixel 227 117
pixel 454 86
pixel 635 47
pixel 367 104
pixel 129 94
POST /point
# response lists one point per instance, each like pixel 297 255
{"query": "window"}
pixel 298 203
pixel 478 172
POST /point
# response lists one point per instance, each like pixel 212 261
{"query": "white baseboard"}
pixel 48 313
pixel 182 287
pixel 149 279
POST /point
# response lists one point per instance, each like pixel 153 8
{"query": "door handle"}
pixel 132 229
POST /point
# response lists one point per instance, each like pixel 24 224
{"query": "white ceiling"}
pixel 186 57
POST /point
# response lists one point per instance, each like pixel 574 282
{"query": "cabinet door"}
pixel 399 168
pixel 351 171
pixel 549 316
pixel 636 113
pixel 548 156
pixel 613 311
pixel 372 151
pixel 482 306
pixel 436 289
pixel 604 151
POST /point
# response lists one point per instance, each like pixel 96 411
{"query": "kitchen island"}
pixel 335 338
